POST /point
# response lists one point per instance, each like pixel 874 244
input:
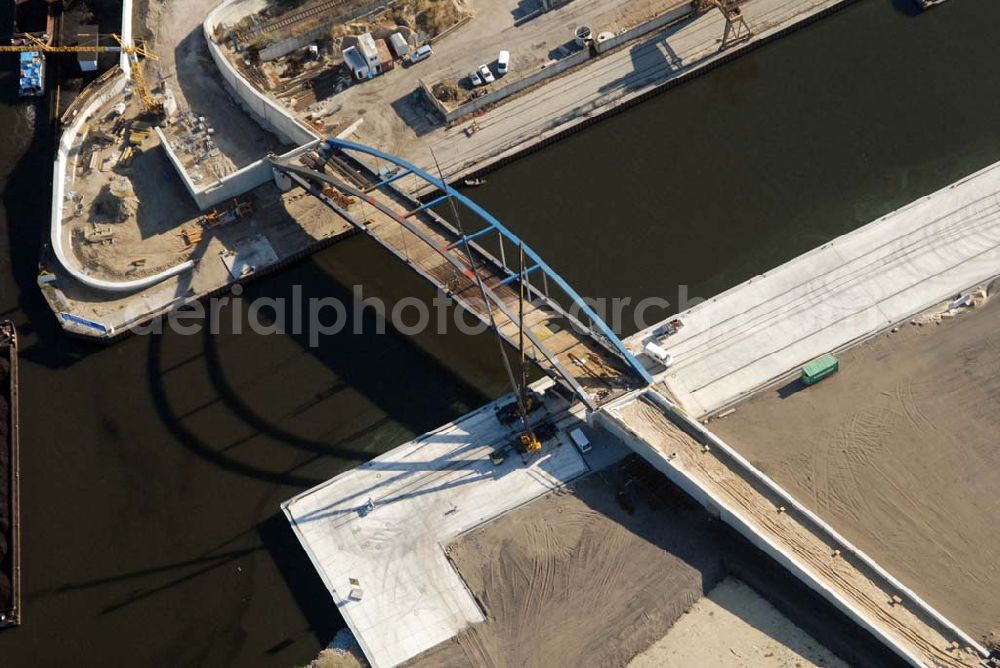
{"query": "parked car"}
pixel 423 53
pixel 474 79
pixel 503 63
pixel 485 73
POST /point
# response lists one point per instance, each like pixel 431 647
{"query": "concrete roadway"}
pixel 592 88
pixel 836 295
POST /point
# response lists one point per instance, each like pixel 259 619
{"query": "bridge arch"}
pixel 468 259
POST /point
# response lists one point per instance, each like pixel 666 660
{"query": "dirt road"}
pixel 899 453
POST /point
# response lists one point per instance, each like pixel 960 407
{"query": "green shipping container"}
pixel 819 368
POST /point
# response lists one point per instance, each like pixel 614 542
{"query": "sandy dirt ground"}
pixel 575 579
pixel 188 69
pixel 918 633
pixel 735 626
pixel 898 452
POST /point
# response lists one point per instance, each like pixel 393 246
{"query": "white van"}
pixel 503 63
pixel 580 440
pixel 423 53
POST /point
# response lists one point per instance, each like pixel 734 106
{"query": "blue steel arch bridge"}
pixel 475 260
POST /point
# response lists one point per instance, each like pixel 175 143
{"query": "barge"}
pixel 10 526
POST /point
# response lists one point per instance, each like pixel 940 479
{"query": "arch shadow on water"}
pixel 398 385
pixel 410 388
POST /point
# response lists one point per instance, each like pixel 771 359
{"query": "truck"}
pixel 820 368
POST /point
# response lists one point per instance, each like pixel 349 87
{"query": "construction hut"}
pixel 385 58
pixel 368 50
pixel 356 63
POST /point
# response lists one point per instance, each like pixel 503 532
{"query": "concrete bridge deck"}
pixel 834 296
pixel 408 597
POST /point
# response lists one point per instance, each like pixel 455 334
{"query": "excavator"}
pixel 150 104
pixel 736 29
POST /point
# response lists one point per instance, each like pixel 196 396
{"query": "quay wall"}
pixel 504 156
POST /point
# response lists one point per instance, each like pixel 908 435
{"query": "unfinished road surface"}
pixel 899 452
pixel 575 579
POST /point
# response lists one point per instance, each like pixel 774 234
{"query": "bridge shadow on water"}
pixel 410 389
pixel 408 386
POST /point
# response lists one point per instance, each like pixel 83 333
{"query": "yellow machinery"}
pixel 149 103
pixel 530 442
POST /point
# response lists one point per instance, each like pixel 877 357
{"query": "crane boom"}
pixel 61 49
pixel 149 103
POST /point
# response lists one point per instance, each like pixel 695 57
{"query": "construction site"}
pixel 301 56
pixel 165 190
pixel 689 474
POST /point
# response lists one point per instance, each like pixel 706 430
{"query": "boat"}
pixel 32 81
pixel 474 182
pixel 10 526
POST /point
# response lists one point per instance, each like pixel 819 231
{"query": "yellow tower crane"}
pixel 149 103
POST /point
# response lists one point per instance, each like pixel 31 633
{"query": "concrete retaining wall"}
pixel 112 88
pixel 675 14
pixel 126 35
pixel 286 46
pixel 436 103
pixel 268 114
pixel 498 94
pixel 233 185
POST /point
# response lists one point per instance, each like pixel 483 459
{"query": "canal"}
pixel 152 470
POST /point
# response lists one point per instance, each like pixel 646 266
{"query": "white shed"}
pixel 356 64
pixel 368 50
pixel 399 44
